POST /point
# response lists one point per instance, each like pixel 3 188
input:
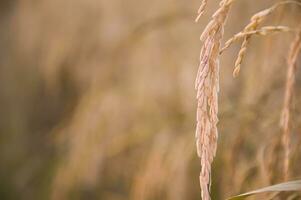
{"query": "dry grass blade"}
pixel 289 89
pixel 287 186
pixel 207 86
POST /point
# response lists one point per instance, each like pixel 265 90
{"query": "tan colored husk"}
pixel 201 9
pixel 207 86
pixel 289 90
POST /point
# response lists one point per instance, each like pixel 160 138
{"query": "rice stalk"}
pixel 207 86
pixel 267 30
pixel 289 91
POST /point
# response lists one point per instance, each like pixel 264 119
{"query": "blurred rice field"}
pixel 97 101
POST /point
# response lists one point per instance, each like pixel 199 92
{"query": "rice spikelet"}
pixel 201 9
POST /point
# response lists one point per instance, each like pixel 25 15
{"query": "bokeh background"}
pixel 97 101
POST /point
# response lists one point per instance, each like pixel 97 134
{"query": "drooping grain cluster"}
pixel 286 111
pixel 207 81
pixel 251 29
pixel 207 86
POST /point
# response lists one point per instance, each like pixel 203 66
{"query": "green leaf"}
pixel 287 186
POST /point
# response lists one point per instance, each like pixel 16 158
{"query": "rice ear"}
pixel 250 29
pixel 207 86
